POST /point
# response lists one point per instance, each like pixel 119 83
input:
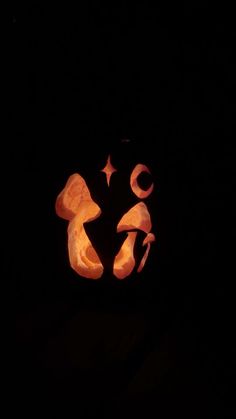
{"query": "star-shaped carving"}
pixel 108 170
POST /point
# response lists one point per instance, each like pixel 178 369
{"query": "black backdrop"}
pixel 87 80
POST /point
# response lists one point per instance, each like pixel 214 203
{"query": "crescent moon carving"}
pixel 137 190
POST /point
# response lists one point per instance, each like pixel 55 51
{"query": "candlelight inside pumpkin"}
pixel 76 205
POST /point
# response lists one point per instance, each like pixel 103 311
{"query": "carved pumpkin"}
pixel 76 205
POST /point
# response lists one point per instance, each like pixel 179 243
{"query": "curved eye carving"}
pixel 137 190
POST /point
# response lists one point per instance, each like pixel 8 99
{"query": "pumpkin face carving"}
pixel 76 205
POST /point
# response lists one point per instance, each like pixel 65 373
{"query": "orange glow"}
pixel 74 193
pixel 139 192
pixel 74 203
pixel 124 261
pixel 148 240
pixel 83 257
pixel 108 170
pixel 137 218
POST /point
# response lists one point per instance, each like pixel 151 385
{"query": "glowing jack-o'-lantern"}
pixel 76 205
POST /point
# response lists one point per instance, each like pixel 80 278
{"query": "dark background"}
pixel 86 79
